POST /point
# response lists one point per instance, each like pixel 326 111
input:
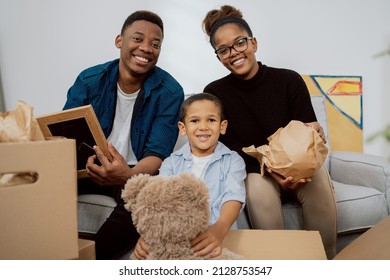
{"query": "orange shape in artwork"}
pixel 346 88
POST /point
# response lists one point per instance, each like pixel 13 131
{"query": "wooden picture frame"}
pixel 80 124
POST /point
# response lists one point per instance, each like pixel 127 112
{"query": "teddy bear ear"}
pixel 132 188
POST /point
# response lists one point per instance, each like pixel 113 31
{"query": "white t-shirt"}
pixel 120 134
pixel 199 165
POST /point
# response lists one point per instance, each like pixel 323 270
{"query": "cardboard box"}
pixel 374 244
pixel 276 244
pixel 86 249
pixel 38 219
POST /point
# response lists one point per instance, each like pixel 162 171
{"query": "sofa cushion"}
pixel 292 213
pixel 93 210
pixel 355 168
pixel 358 208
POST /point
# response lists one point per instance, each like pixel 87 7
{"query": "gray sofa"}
pixel 361 182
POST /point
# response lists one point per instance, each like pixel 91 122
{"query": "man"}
pixel 137 104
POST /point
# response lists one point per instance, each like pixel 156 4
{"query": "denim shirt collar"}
pixel 152 81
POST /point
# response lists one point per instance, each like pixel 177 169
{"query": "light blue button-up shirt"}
pixel 224 176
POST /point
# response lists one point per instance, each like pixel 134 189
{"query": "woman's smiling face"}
pixel 242 64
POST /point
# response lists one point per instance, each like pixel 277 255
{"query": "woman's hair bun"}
pixel 214 15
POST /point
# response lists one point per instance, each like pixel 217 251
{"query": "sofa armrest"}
pixel 361 169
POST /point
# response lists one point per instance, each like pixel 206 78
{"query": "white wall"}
pixel 44 44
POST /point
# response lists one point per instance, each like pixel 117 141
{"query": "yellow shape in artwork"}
pixel 346 88
pixel 350 105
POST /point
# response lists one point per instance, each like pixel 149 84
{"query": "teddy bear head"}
pixel 167 210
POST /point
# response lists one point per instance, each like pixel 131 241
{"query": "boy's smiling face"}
pixel 202 125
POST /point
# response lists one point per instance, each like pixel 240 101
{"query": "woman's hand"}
pixel 288 182
pixel 317 127
pixel 141 249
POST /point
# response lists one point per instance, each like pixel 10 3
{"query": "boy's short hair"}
pixel 143 15
pixel 199 97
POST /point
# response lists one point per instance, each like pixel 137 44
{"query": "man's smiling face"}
pixel 139 47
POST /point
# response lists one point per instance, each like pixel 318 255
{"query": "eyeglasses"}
pixel 239 46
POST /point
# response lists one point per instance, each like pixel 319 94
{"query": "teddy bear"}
pixel 168 213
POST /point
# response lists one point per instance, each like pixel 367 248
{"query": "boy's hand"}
pixel 141 249
pixel 209 242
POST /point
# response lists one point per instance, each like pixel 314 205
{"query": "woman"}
pixel 258 100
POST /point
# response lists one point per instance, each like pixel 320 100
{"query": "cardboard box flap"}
pixel 276 244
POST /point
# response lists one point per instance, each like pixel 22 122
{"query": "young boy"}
pixel 202 120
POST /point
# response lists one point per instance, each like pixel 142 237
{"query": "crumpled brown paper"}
pixel 295 150
pixel 19 125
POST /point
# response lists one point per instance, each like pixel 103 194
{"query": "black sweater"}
pixel 256 108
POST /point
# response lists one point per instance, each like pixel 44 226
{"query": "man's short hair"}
pixel 143 15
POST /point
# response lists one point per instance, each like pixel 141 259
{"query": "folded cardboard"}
pixel 276 244
pixel 86 249
pixel 374 244
pixel 38 217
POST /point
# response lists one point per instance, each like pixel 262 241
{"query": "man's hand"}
pixel 116 172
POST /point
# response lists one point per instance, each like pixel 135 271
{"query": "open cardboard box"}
pixel 374 244
pixel 276 244
pixel 87 250
pixel 38 219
